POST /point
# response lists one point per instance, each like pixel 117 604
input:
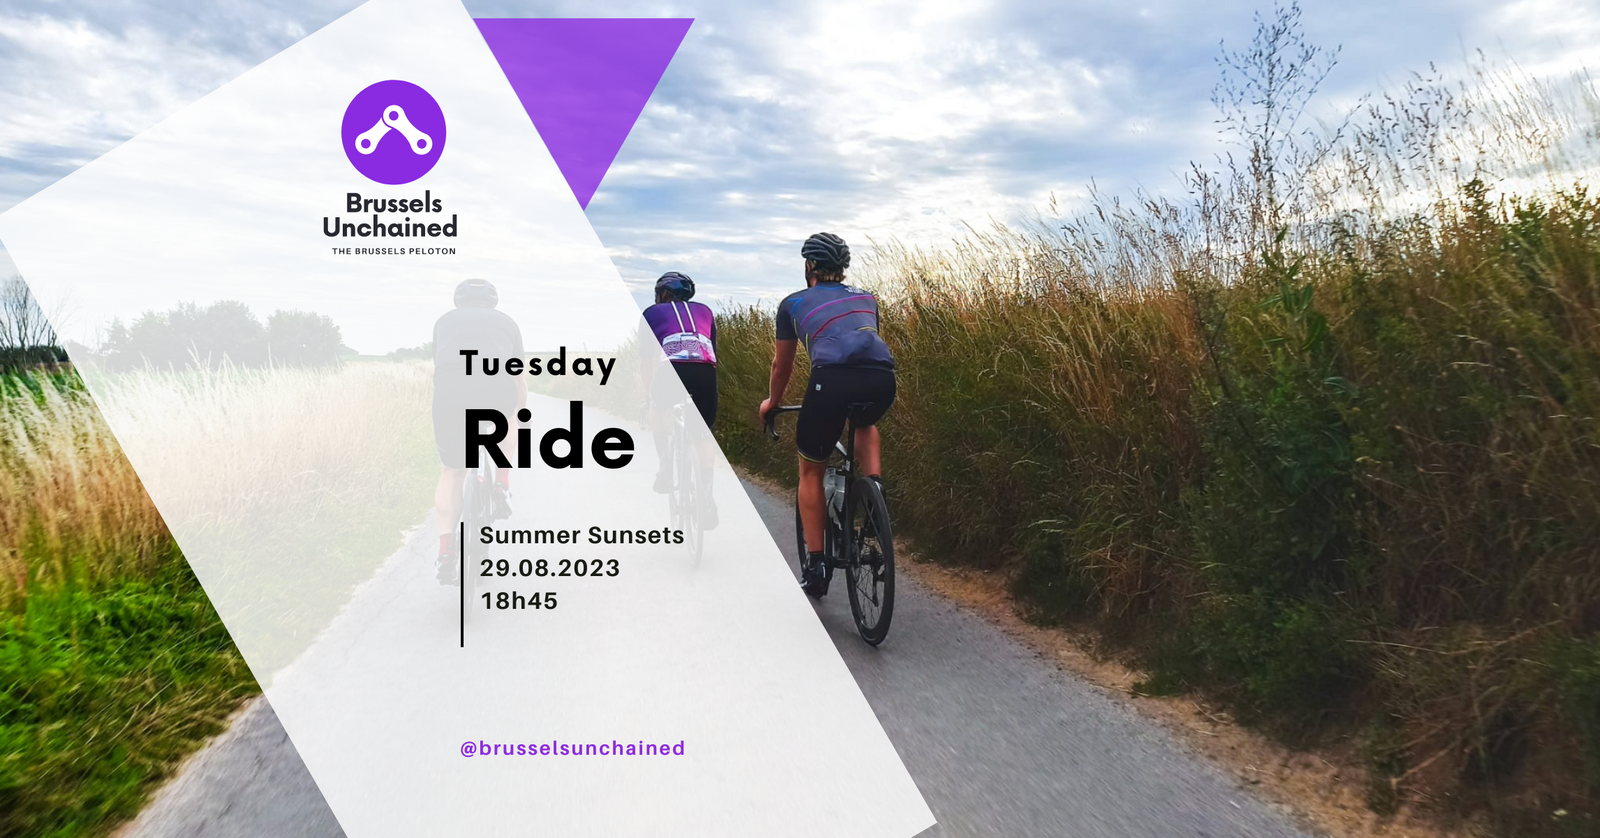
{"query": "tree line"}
pixel 185 336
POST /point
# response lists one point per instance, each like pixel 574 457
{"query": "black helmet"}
pixel 677 285
pixel 477 292
pixel 827 250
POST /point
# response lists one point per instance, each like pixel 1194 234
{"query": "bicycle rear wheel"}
pixel 869 567
pixel 475 512
pixel 688 487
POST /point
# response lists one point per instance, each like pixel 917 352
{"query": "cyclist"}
pixel 687 335
pixel 850 365
pixel 474 324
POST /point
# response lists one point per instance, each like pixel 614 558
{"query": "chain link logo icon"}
pixel 411 114
pixel 393 117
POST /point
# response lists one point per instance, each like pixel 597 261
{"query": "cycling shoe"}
pixel 447 572
pixel 500 499
pixel 814 580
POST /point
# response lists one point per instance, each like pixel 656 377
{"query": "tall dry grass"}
pixel 241 457
pixel 71 507
pixel 1319 435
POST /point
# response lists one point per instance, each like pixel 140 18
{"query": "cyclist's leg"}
pixel 700 382
pixel 869 452
pixel 876 388
pixel 813 512
pixel 447 504
pixel 822 420
pixel 449 439
pixel 661 401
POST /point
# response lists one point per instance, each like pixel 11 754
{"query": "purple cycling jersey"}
pixel 687 332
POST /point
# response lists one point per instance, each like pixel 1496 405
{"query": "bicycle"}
pixel 477 511
pixel 683 503
pixel 857 534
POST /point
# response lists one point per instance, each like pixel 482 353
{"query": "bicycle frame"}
pixel 872 606
pixel 847 470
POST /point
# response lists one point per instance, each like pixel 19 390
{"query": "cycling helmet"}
pixel 827 250
pixel 676 285
pixel 477 292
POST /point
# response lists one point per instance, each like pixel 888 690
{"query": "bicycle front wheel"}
pixel 474 504
pixel 869 568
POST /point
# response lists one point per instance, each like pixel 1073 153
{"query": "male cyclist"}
pixel 687 335
pixel 473 324
pixel 850 365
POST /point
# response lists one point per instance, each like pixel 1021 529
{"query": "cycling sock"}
pixel 814 558
pixel 503 477
pixel 444 544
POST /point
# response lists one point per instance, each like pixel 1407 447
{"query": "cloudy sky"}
pixel 875 120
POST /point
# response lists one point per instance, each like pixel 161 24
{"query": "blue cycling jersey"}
pixel 837 323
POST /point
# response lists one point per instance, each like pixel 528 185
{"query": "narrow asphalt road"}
pixel 1000 742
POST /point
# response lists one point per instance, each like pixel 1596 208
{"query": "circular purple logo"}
pixel 393 132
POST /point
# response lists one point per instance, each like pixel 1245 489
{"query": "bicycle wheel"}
pixel 670 464
pixel 799 539
pixel 694 534
pixel 475 513
pixel 869 565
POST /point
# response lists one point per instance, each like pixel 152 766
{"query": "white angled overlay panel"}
pixel 287 488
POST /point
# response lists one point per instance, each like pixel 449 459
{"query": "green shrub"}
pixel 101 692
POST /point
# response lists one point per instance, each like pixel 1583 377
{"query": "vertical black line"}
pixel 461 553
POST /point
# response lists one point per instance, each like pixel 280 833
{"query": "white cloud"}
pixel 73 85
pixel 879 120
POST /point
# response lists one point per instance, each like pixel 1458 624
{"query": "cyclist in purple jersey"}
pixel 850 365
pixel 686 332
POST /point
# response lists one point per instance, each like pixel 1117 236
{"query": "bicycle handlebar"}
pixel 772 418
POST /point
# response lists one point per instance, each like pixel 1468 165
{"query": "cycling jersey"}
pixel 687 332
pixel 837 323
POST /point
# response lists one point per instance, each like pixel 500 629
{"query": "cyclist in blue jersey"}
pixel 687 334
pixel 850 365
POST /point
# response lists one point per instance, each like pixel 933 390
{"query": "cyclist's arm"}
pixel 783 353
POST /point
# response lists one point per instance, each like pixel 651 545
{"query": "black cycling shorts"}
pixel 699 381
pixel 826 407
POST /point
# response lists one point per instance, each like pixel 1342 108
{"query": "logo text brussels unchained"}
pixel 393 133
pixel 391 227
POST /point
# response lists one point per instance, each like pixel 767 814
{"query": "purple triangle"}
pixel 583 82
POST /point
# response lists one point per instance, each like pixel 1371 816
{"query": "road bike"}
pixel 478 510
pixel 857 534
pixel 685 499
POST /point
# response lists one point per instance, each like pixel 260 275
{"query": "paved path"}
pixel 1000 742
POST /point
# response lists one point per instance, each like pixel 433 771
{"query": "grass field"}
pixel 1326 447
pixel 113 661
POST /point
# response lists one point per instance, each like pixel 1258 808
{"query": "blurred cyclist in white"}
pixel 474 325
